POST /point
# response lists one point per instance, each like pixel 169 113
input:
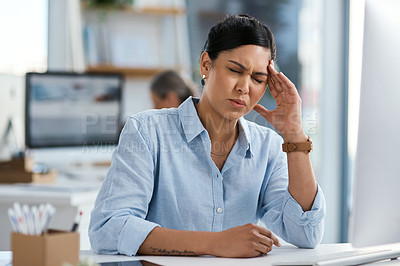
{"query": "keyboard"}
pixel 352 257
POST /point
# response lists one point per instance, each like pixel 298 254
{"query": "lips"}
pixel 238 103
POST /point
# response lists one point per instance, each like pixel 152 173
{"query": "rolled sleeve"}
pixel 133 234
pixel 294 212
pixel 304 228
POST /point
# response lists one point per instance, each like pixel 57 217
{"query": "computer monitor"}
pixel 71 109
pixel 375 216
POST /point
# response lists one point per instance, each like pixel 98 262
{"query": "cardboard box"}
pixel 52 248
pixel 19 171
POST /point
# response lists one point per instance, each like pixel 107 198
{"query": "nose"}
pixel 242 85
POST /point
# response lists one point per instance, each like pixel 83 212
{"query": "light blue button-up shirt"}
pixel 162 175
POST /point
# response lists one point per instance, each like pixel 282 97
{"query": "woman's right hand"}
pixel 244 241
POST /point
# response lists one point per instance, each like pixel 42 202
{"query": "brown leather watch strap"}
pixel 298 146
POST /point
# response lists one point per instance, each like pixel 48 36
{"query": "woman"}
pixel 197 179
pixel 168 90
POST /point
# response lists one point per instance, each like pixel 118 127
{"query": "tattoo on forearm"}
pixel 173 252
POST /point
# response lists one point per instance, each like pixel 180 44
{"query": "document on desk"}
pixel 129 263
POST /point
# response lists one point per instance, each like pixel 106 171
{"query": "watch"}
pixel 298 146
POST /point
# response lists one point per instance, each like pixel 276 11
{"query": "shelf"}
pixel 126 71
pixel 153 13
pixel 150 10
pixel 158 10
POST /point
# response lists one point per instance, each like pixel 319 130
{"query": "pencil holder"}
pixel 49 249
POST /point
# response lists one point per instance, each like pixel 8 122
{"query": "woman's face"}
pixel 236 80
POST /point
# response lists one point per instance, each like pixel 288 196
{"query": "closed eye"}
pixel 259 81
pixel 234 70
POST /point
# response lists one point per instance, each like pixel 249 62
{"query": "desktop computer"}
pixel 73 120
pixel 375 212
pixel 375 217
pixel 71 109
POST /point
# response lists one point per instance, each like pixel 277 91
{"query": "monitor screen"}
pixel 375 216
pixel 70 109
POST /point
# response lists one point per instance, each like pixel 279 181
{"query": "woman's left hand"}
pixel 286 118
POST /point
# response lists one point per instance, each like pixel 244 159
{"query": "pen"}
pixel 76 222
pixel 49 211
pixel 41 217
pixel 36 222
pixel 28 219
pixel 13 220
pixel 23 228
pixel 31 221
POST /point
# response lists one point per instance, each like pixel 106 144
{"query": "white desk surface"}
pixel 38 193
pixel 72 191
pixel 284 253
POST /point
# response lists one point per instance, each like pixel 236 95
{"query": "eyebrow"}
pixel 245 68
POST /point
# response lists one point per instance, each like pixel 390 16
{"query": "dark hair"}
pixel 237 30
pixel 170 81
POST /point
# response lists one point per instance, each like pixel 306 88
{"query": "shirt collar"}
pixel 192 126
pixel 244 139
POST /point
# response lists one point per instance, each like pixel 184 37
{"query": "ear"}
pixel 205 64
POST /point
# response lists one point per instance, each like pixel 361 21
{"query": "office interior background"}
pixel 319 47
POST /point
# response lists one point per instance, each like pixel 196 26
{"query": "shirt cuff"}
pixel 133 235
pixel 295 213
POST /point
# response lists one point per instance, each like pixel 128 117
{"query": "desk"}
pixel 68 196
pixel 277 254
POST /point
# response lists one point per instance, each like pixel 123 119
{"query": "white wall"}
pixel 23 36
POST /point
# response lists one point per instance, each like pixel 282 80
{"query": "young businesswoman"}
pixel 197 179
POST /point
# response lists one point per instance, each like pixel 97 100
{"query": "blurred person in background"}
pixel 168 89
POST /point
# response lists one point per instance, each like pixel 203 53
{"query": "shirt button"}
pixel 219 210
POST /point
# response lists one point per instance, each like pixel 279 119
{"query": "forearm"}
pixel 302 184
pixel 248 240
pixel 163 241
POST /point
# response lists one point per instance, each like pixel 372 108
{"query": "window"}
pixel 23 30
pixel 311 38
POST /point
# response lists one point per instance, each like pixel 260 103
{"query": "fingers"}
pixel 247 240
pixel 274 92
pixel 263 249
pixel 285 80
pixel 274 85
pixel 270 236
pixel 277 81
pixel 266 242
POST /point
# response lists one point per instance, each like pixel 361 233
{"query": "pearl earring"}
pixel 203 82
